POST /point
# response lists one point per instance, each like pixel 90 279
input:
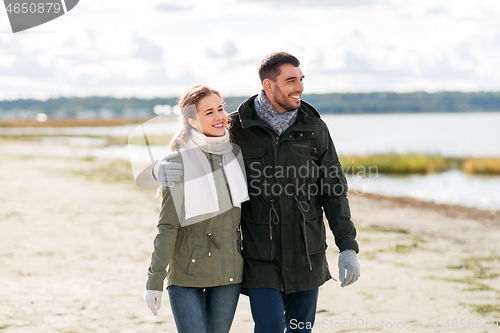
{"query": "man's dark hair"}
pixel 269 67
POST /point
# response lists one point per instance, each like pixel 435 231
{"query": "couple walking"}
pixel 239 214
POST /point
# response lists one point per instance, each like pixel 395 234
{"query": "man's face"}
pixel 287 89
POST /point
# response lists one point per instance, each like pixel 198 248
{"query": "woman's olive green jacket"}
pixel 204 254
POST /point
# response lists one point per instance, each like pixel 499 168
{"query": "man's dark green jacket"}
pixel 292 179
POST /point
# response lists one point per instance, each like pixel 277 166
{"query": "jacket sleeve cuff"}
pixel 153 284
pixel 348 244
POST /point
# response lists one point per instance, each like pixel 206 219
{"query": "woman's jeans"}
pixel 204 310
pixel 273 311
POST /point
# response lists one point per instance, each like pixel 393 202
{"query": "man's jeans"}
pixel 273 311
pixel 204 310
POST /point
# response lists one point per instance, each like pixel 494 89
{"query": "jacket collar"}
pixel 307 118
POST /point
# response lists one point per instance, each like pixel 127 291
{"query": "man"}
pixel 293 176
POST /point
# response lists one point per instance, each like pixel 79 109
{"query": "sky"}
pixel 159 48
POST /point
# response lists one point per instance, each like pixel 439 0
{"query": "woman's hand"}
pixel 153 300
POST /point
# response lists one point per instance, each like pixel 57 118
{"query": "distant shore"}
pixel 72 122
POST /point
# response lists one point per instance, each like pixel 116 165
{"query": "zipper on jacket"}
pixel 273 135
pixel 240 238
pixel 304 146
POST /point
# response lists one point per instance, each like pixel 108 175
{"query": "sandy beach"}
pixel 76 239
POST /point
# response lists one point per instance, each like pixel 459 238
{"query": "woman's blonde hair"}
pixel 190 98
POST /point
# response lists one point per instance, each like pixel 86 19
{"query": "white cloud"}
pixel 171 8
pixel 160 48
pixel 228 50
pixel 314 3
pixel 146 49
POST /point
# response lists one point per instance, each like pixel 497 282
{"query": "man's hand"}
pixel 153 300
pixel 168 173
pixel 348 261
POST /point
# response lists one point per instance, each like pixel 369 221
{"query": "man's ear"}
pixel 267 85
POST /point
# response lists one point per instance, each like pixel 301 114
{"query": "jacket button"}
pixel 193 260
pixel 238 229
pixel 220 164
pixel 301 134
pixel 209 254
pixel 312 133
pixel 231 279
pixel 209 234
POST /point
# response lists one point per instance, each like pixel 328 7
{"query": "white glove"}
pixel 168 173
pixel 348 261
pixel 153 300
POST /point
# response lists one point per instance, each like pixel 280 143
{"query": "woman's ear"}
pixel 192 122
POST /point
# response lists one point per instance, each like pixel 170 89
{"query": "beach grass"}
pixel 475 265
pixel 361 165
pixel 399 164
pixel 406 164
pixel 481 166
pixel 487 310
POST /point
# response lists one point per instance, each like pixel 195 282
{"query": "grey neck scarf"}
pixel 279 122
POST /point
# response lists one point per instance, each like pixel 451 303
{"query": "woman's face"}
pixel 211 116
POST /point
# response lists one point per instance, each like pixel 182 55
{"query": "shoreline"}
pixel 30 149
pixel 455 211
pixel 74 122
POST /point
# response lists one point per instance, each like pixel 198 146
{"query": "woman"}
pixel 198 242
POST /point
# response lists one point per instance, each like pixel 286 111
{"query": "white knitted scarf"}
pixel 200 194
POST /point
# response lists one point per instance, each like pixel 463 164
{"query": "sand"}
pixel 76 238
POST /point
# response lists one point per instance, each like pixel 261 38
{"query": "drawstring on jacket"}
pixel 273 219
pixel 304 208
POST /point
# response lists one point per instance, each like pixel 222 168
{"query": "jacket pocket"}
pixel 316 235
pixel 305 149
pixel 255 167
pixel 315 228
pixel 254 151
pixel 194 258
pixel 257 243
pixel 304 160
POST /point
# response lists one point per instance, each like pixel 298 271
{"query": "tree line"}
pixel 376 102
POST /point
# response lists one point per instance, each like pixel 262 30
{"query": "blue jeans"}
pixel 273 311
pixel 204 310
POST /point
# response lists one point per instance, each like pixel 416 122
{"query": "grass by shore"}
pixel 482 166
pixel 400 164
pixel 421 164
